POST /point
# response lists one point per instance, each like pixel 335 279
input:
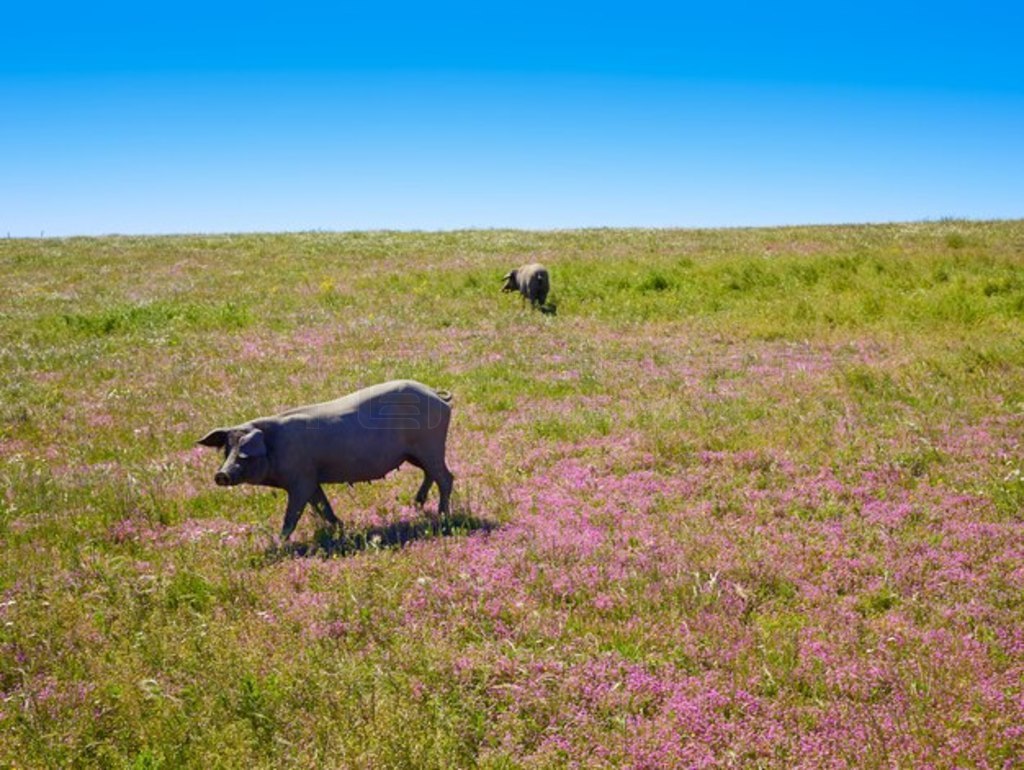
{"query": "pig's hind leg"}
pixel 424 490
pixel 434 472
pixel 428 481
pixel 445 480
pixel 438 472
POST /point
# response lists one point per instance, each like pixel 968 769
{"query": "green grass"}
pixel 748 459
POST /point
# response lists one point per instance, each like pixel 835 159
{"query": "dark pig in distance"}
pixel 532 281
pixel 359 437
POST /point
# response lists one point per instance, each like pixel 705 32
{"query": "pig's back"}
pixel 366 434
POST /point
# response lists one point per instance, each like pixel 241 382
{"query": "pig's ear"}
pixel 251 444
pixel 215 438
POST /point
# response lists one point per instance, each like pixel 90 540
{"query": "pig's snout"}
pixel 222 479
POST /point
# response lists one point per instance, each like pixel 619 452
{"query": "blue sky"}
pixel 202 117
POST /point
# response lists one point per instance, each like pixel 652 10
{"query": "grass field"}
pixel 751 498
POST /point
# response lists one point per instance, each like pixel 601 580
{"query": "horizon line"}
pixel 499 228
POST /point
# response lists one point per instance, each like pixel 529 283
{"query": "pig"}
pixel 360 437
pixel 532 281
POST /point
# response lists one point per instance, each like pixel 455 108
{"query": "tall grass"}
pixel 751 498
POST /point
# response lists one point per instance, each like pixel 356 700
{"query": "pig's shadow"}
pixel 345 541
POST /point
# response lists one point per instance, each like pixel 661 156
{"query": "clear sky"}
pixel 187 117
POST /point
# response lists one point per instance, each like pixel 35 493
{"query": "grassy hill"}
pixel 750 498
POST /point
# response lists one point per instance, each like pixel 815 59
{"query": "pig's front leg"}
pixel 298 496
pixel 322 506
